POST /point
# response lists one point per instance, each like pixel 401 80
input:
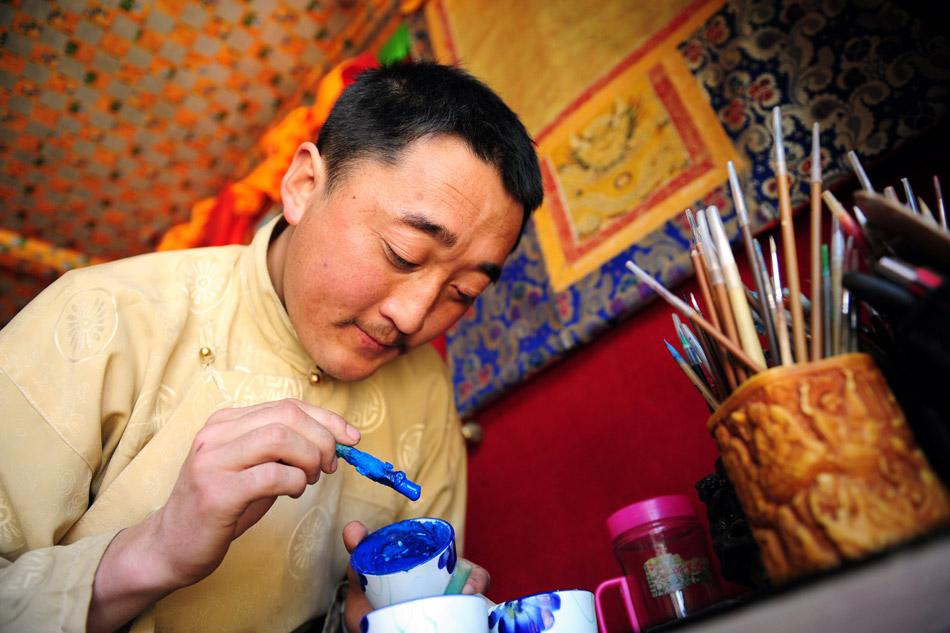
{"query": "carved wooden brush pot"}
pixel 824 465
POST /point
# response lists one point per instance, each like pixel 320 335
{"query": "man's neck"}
pixel 277 254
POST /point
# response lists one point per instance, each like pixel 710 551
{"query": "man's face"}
pixel 394 255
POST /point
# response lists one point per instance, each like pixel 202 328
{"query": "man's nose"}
pixel 410 303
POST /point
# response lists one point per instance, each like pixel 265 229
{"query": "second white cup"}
pixel 569 611
pixel 438 614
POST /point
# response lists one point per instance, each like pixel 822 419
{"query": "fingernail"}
pixel 352 431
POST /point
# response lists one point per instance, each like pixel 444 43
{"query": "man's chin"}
pixel 350 372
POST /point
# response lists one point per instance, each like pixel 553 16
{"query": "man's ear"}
pixel 304 176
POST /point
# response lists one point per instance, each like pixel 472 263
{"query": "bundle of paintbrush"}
pixel 908 258
pixel 742 330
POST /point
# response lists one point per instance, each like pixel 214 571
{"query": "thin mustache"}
pixel 399 343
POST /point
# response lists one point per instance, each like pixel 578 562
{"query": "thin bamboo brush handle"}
pixel 788 242
pixel 816 333
pixel 702 275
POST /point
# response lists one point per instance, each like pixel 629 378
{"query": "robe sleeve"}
pixel 56 424
pixel 43 587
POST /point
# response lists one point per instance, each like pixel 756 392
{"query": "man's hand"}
pixel 358 606
pixel 356 603
pixel 478 580
pixel 239 463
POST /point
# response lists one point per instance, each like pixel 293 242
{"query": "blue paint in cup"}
pixel 405 545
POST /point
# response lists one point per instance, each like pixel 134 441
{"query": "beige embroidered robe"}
pixel 104 380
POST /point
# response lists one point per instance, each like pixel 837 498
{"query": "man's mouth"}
pixel 398 342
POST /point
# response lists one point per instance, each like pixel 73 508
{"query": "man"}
pixel 170 420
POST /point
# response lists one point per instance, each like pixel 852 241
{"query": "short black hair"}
pixel 387 109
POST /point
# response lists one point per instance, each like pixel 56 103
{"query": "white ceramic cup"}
pixel 407 560
pixel 568 611
pixel 454 613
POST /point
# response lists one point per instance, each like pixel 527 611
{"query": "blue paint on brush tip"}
pixel 379 471
pixel 673 351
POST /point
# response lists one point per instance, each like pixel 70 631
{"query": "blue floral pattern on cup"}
pixel 447 559
pixel 526 615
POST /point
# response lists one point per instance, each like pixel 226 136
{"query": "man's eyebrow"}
pixel 425 225
pixel 447 237
pixel 492 270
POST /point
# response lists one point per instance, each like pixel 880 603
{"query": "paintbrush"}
pixel 701 263
pixel 713 356
pixel 740 307
pixel 379 471
pixel 463 569
pixel 848 302
pixel 859 171
pixel 698 257
pixel 926 213
pixel 759 262
pixel 692 355
pixel 848 224
pixel 806 303
pixel 781 326
pixel 701 267
pixel 720 295
pixel 695 351
pixel 693 378
pixel 816 335
pixel 911 199
pixel 687 311
pixel 826 290
pixel 743 217
pixel 844 338
pixel 837 260
pixel 941 210
pixel 788 240
pixel 921 281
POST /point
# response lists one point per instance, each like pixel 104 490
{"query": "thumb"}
pixel 253 514
pixel 353 533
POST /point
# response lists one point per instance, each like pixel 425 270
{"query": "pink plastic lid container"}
pixel 648 511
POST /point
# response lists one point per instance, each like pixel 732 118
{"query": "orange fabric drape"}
pixel 231 216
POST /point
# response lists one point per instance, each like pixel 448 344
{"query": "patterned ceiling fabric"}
pixel 116 116
pixel 873 77
pixel 232 216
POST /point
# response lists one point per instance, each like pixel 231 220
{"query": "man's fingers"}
pixel 233 493
pixel 275 442
pixel 356 603
pixel 320 426
pixel 342 431
pixel 478 580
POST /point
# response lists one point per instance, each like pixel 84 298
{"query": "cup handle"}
pixel 627 601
